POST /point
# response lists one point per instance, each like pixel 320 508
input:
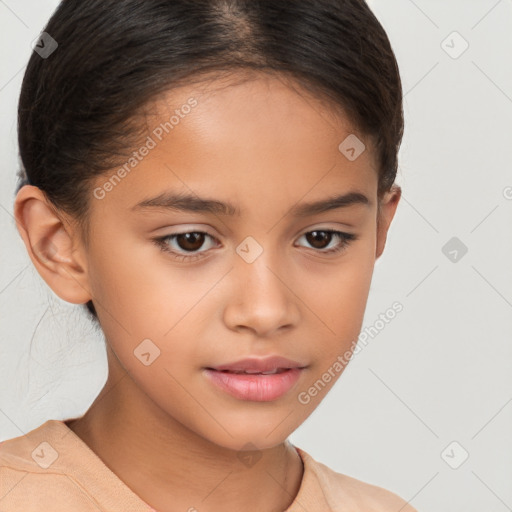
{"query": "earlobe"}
pixel 50 245
pixel 385 215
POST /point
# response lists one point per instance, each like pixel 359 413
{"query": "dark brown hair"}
pixel 76 111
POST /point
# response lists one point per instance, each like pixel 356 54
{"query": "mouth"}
pixel 256 379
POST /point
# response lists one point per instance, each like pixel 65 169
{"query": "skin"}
pixel 265 155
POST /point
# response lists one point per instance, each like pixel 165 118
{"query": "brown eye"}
pixel 187 245
pixel 319 239
pixel 190 241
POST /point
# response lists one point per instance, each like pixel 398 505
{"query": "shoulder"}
pixel 343 492
pixel 34 451
pixel 32 477
pixel 51 468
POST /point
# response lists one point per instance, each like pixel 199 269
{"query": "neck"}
pixel 172 468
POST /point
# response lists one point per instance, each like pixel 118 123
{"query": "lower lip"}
pixel 255 387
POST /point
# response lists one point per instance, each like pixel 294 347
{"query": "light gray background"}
pixel 440 371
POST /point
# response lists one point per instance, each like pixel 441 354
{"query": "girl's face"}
pixel 261 277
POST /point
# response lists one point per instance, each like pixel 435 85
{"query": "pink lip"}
pixel 256 386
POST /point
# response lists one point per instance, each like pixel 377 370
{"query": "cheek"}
pixel 136 287
pixel 149 306
pixel 337 300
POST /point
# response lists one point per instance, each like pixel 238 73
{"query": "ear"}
pixel 51 244
pixel 385 214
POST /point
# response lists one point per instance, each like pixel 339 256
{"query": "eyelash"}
pixel 161 242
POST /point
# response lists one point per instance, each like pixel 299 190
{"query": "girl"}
pixel 214 180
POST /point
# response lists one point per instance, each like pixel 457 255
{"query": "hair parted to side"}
pixel 78 108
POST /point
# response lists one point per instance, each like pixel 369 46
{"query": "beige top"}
pixel 51 469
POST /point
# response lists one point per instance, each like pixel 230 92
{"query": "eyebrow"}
pixel 191 203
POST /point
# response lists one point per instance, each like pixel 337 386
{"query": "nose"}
pixel 261 298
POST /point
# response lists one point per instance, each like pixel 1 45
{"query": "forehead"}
pixel 249 139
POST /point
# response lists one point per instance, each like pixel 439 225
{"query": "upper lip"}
pixel 266 364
